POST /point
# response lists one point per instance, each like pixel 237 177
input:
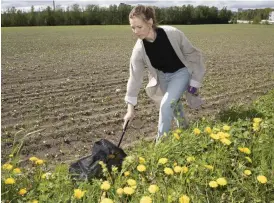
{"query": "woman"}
pixel 174 66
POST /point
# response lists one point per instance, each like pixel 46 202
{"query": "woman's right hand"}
pixel 129 115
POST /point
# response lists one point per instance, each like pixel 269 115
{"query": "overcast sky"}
pixel 232 5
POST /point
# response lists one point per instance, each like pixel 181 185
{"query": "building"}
pixel 271 16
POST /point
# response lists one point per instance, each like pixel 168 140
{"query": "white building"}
pixel 271 16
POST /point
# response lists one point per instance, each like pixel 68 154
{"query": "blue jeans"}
pixel 173 85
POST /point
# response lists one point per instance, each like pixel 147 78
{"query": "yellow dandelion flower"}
pixel 226 128
pixel 175 164
pixel 146 199
pixel 127 173
pixel 184 199
pixel 34 201
pixel 196 131
pixel 221 135
pixel 131 182
pixel 244 150
pixel 120 191
pixel 106 200
pixel 105 186
pixel 162 161
pixel 177 169
pixel 168 171
pixel 128 190
pixel 221 181
pixel 22 191
pixel 225 141
pixel 213 184
pixel 184 169
pixel 153 189
pixel 176 136
pixel 257 120
pixel 256 127
pixel 33 159
pixel 178 130
pixel 142 160
pixel 190 159
pixel 39 162
pixel 17 170
pixel 248 159
pixel 247 172
pixel 9 181
pixel 7 166
pixel 141 168
pixel 262 179
pixel 209 167
pixel 226 135
pixel 208 130
pixel 214 136
pixel 78 194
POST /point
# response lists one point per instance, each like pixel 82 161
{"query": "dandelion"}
pixel 221 181
pixel 120 191
pixel 7 166
pixel 22 192
pixel 34 201
pixel 225 141
pixel 176 136
pixel 209 167
pixel 78 194
pixel 127 173
pixel 214 136
pixel 190 159
pixel 244 150
pixel 248 159
pixel 184 169
pixel 105 186
pixel 221 135
pixel 208 130
pixel 196 131
pixel 257 120
pixel 162 161
pixel 184 199
pixel 178 130
pixel 247 172
pixel 256 127
pixel 141 168
pixel 216 129
pixel 226 128
pixel 213 184
pixel 39 162
pixel 177 169
pixel 142 160
pixel 226 135
pixel 262 179
pixel 17 170
pixel 46 175
pixel 146 199
pixel 131 182
pixel 153 189
pixel 9 181
pixel 128 190
pixel 33 159
pixel 168 171
pixel 106 200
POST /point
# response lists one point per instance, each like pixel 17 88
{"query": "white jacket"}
pixel 190 56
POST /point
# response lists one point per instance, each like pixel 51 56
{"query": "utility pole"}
pixel 53 5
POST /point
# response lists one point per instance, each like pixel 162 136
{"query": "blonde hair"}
pixel 145 13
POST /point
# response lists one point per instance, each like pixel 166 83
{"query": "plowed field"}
pixel 66 85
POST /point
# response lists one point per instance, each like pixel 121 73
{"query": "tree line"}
pixel 118 15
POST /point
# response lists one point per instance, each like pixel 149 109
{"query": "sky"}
pixel 231 5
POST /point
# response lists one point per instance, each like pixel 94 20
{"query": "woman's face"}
pixel 139 27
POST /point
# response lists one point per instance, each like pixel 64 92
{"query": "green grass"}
pixel 228 162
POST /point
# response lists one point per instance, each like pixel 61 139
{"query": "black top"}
pixel 161 53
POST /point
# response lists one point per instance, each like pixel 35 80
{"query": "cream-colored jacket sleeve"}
pixel 136 74
pixel 194 58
